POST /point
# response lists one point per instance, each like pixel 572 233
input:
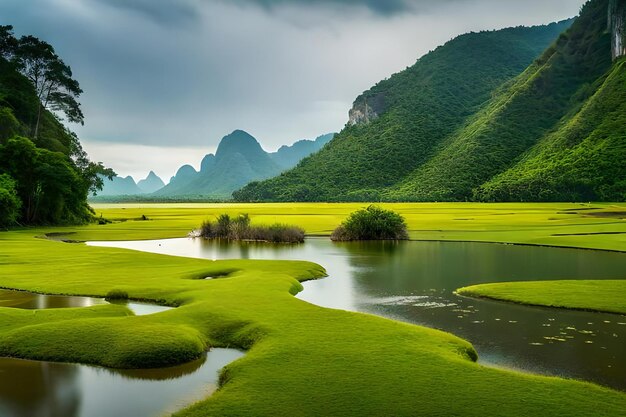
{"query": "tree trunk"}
pixel 38 120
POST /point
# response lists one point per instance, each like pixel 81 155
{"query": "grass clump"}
pixel 239 228
pixel 116 295
pixel 372 223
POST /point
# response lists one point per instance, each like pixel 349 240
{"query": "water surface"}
pixel 32 301
pixel 414 282
pixel 48 389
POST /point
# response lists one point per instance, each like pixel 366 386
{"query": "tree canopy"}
pixel 45 175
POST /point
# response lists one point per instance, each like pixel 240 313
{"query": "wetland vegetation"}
pixel 240 228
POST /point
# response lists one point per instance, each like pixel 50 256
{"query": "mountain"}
pixel 119 186
pixel 518 116
pixel 239 159
pixel 289 156
pixel 581 158
pixel 151 183
pixel 404 121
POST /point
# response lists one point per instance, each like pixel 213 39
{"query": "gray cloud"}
pixel 182 74
pixel 384 7
pixel 161 11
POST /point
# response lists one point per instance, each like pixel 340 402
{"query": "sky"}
pixel 165 80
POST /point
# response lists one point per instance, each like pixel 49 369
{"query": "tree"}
pixel 8 43
pixel 18 159
pixel 9 201
pixel 91 172
pixel 51 188
pixel 51 77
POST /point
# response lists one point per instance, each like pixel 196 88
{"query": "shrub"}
pixel 372 223
pixel 116 295
pixel 239 228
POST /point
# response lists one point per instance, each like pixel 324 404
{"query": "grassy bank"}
pixel 302 359
pixel 606 296
pixel 596 226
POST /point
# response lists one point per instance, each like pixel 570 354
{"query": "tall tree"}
pixel 51 77
pixel 8 43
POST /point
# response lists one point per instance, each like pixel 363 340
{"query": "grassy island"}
pixel 598 295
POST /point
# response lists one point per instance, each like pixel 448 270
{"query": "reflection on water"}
pixel 47 389
pixel 32 301
pixel 414 282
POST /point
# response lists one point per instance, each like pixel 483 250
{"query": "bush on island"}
pixel 372 223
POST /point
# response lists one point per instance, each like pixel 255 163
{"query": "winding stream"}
pixel 414 282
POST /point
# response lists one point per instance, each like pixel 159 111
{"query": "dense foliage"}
pixel 239 228
pixel 583 160
pixel 419 108
pixel 372 223
pixel 42 163
pixel 519 115
pixel 10 203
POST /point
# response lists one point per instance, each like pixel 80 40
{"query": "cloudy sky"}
pixel 164 80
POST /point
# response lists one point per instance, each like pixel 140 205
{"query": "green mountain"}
pixel 401 123
pixel 518 117
pixel 151 183
pixel 239 159
pixel 118 186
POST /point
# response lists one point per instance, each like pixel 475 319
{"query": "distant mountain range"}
pixel 519 114
pixel 127 186
pixel 239 160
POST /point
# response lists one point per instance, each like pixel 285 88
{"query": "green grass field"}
pixel 606 296
pixel 301 359
pixel 594 226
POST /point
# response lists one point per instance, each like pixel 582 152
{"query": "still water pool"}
pixel 414 282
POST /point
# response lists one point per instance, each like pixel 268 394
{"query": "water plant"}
pixel 239 228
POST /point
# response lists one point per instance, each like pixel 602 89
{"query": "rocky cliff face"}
pixel 617 27
pixel 366 108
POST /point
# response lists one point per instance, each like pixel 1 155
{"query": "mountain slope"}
pixel 583 160
pixel 238 160
pixel 289 156
pixel 518 116
pixel 397 126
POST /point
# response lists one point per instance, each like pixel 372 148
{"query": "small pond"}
pixel 32 301
pixel 414 282
pixel 48 389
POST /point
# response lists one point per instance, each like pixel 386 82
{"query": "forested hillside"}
pixel 402 122
pixel 518 117
pixel 45 175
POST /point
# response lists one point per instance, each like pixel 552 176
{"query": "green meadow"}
pixel 591 226
pixel 301 359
